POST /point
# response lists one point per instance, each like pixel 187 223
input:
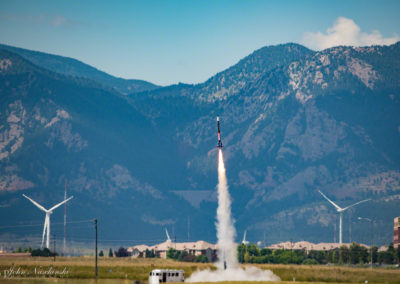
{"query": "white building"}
pixel 307 246
pixel 193 248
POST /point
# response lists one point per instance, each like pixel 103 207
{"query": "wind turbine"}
pixel 340 211
pixel 47 218
pixel 244 242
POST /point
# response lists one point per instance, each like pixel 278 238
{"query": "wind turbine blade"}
pixel 244 236
pixel 61 203
pixel 356 204
pixel 34 202
pixel 168 238
pixel 330 201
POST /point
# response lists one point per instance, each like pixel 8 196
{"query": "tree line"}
pixel 185 256
pixel 355 254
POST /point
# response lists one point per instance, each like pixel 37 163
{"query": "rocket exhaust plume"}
pixel 226 232
pixel 228 268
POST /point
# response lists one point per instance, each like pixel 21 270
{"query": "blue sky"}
pixel 167 42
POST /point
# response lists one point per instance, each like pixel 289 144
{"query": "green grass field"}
pixel 138 269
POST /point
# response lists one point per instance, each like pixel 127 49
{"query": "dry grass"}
pixel 332 274
pixel 138 269
pixel 108 268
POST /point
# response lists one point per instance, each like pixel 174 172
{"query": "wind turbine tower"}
pixel 340 211
pixel 46 228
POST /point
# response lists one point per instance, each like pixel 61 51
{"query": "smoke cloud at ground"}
pixel 226 233
pixel 251 273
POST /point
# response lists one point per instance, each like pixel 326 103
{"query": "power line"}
pixel 41 224
pixel 90 239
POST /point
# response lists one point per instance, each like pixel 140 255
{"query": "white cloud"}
pixel 345 32
pixel 59 20
pixel 48 19
pixel 154 221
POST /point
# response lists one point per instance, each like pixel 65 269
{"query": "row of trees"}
pixel 121 252
pixel 42 252
pixel 185 256
pixel 20 249
pixel 171 253
pixel 355 254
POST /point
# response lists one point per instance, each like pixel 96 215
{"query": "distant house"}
pixel 138 251
pixel 307 246
pixel 382 248
pixel 396 232
pixel 198 248
pixel 193 248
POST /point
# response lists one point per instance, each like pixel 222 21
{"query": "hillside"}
pixel 293 122
pixel 73 67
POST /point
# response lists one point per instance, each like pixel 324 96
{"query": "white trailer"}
pixel 166 275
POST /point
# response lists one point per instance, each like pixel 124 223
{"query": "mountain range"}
pixel 141 158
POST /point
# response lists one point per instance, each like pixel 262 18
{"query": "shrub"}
pixel 122 252
pixel 309 261
pixel 42 252
pixel 202 258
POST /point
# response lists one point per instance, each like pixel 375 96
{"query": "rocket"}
pixel 219 145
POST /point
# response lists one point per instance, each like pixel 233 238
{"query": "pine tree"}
pixel 398 253
pixel 246 257
pixel 110 253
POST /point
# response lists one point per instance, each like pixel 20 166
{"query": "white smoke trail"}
pixel 228 268
pixel 226 232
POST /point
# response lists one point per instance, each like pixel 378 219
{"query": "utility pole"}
pixel 54 247
pixel 188 228
pixel 372 236
pixel 334 234
pixel 95 227
pixel 372 242
pixel 65 216
pixel 291 251
pixel 265 243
